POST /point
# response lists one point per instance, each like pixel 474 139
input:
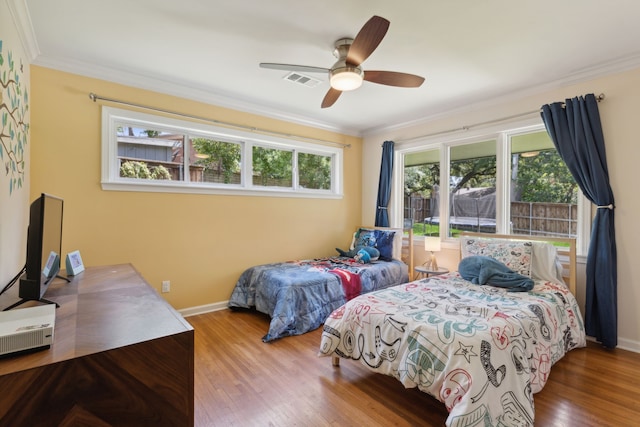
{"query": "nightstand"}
pixel 425 272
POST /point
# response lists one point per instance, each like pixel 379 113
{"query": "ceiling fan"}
pixel 347 73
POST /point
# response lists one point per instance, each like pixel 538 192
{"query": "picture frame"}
pixel 51 266
pixel 74 263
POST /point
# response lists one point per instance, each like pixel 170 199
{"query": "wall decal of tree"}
pixel 14 128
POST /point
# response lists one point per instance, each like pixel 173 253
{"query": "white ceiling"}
pixel 470 51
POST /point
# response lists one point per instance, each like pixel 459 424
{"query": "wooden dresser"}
pixel 121 356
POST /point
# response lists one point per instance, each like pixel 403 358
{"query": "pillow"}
pixel 397 243
pixel 545 264
pixel 364 237
pixel 384 241
pixel 514 254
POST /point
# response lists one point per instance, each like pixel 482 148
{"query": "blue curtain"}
pixel 384 186
pixel 576 131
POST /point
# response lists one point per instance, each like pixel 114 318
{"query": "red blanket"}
pixel 350 282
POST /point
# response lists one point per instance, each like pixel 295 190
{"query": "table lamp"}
pixel 432 244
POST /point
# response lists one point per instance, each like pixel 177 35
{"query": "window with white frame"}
pixel 472 187
pixel 144 152
pixel 510 181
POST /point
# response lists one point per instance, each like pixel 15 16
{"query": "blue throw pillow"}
pixel 384 243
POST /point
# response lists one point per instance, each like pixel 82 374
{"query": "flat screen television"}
pixel 44 248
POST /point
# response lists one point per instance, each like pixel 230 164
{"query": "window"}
pixel 272 167
pixel 142 152
pixel 421 195
pixel 315 171
pixel 216 161
pixel 544 195
pixel 472 187
pixel 509 182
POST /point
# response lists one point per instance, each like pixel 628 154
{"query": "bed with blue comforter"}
pixel 300 295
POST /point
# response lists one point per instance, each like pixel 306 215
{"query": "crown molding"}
pixel 175 89
pixel 22 21
pixel 202 95
pixel 591 73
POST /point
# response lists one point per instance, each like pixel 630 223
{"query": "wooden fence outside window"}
pixel 527 218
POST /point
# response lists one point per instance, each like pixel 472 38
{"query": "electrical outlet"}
pixel 166 286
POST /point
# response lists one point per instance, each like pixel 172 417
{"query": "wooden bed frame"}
pixel 407 250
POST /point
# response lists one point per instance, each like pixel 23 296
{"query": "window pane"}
pixel 170 155
pixel 272 167
pixel 314 171
pixel 544 195
pixel 215 161
pixel 421 197
pixel 472 172
pixel 149 154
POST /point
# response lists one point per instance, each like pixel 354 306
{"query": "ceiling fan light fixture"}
pixel 347 74
pixel 346 78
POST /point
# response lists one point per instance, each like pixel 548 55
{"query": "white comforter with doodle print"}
pixel 480 350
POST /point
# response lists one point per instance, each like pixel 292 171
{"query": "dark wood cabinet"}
pixel 121 356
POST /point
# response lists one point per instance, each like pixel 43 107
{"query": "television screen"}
pixel 44 247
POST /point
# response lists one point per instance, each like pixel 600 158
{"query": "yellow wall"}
pixel 201 243
pixel 619 113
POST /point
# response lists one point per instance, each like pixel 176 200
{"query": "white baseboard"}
pixel 629 345
pixel 623 344
pixel 201 309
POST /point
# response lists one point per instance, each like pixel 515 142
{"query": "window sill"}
pixel 197 189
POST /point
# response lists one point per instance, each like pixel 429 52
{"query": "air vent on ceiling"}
pixel 302 79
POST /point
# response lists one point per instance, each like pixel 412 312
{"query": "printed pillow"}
pixel 513 254
pixel 364 237
pixel 354 239
pixel 382 240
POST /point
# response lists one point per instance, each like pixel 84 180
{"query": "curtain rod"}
pixel 488 122
pixel 95 98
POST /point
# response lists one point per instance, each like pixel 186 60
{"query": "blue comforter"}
pixel 300 295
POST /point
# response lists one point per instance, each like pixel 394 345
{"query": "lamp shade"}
pixel 432 244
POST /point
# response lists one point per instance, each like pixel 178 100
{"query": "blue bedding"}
pixel 300 295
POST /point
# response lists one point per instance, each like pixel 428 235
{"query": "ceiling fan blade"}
pixel 331 97
pixel 367 40
pixel 393 78
pixel 291 67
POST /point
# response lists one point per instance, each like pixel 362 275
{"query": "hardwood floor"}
pixel 241 381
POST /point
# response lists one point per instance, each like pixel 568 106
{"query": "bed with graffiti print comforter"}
pixel 299 295
pixel 481 350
